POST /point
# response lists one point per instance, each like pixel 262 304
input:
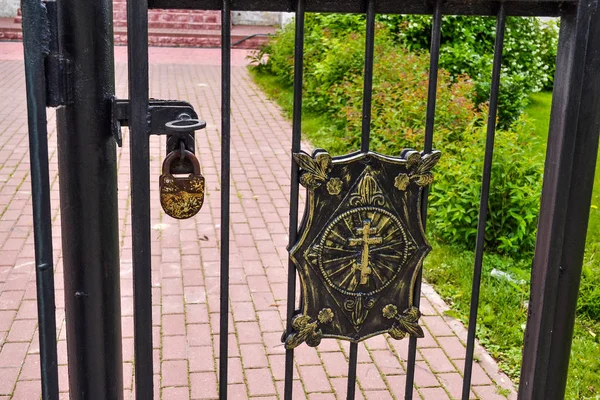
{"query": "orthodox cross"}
pixel 366 240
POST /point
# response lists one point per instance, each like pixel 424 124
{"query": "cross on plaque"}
pixel 366 240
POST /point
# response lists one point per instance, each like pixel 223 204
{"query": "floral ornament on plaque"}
pixel 405 323
pixel 307 330
pixel 419 167
pixel 361 245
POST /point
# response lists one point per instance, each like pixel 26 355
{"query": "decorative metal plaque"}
pixel 361 245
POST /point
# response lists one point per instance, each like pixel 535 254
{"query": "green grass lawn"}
pixel 503 301
pixel 538 112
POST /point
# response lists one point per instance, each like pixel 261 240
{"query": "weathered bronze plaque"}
pixel 361 245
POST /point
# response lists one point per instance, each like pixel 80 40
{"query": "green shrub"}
pixel 332 121
pixel 467 50
pixel 514 192
pixel 399 102
pixel 467 47
pixel 333 86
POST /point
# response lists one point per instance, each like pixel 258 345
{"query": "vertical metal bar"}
pixel 88 199
pixel 566 198
pixel 35 82
pixel 584 166
pixel 434 58
pixel 225 192
pixel 483 205
pixel 368 77
pixel 352 361
pixel 364 147
pixel 294 189
pixel 434 61
pixel 137 39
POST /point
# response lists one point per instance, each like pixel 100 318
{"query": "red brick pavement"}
pixel 185 266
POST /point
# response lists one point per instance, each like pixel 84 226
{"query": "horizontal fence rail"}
pixel 550 8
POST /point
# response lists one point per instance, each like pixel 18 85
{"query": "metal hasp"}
pixel 180 197
pixel 88 199
pixel 176 119
pixel 161 113
pixel 361 245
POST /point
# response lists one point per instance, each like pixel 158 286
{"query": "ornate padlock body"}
pixel 181 197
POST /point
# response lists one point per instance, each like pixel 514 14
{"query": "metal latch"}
pixel 176 119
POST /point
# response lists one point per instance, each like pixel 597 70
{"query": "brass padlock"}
pixel 181 197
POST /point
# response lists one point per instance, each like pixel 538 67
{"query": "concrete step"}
pixel 182 28
pixel 167 20
pixel 242 37
pixel 245 37
pixel 173 16
pixel 203 26
pixel 180 16
pixel 10 30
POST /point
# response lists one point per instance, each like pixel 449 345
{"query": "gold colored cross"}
pixel 366 240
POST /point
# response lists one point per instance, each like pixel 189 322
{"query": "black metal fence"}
pixel 57 51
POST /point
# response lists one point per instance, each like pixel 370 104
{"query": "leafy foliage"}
pixel 333 85
pixel 517 160
pixel 467 48
pixel 514 192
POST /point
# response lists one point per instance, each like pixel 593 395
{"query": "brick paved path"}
pixel 186 262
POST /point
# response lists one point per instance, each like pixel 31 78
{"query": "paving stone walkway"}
pixel 185 266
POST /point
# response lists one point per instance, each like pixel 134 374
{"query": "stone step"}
pixel 174 19
pixel 175 25
pixel 182 28
pixel 169 15
pixel 242 37
pixel 121 5
pixel 168 20
pixel 173 15
pixel 10 30
pixel 178 16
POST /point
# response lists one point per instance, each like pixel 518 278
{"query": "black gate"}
pixel 69 65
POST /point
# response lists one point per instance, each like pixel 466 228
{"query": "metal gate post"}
pixel 88 194
pixel 566 199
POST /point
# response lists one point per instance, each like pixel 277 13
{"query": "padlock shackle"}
pixel 185 125
pixel 174 155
